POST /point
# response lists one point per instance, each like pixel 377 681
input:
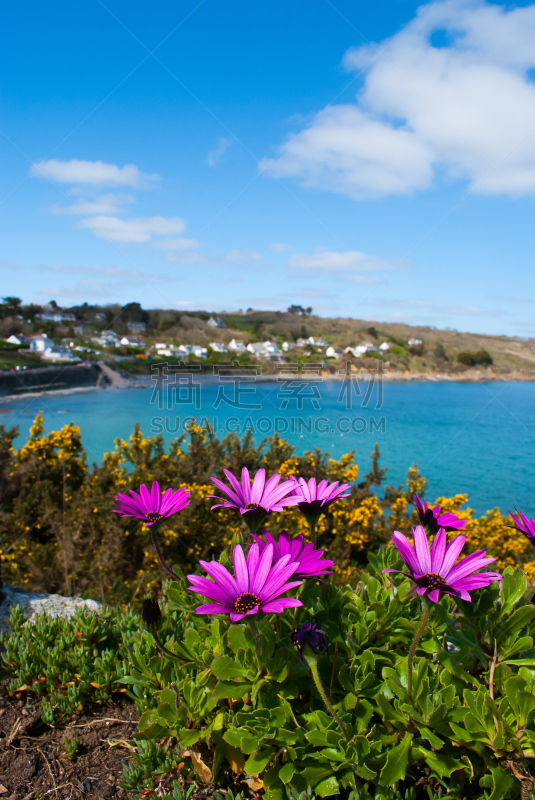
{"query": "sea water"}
pixel 475 439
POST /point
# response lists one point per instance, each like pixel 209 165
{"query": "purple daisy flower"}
pixel 434 570
pixel 524 525
pixel 432 519
pixel 151 506
pixel 257 585
pixel 311 562
pixel 309 634
pixel 314 499
pixel 256 501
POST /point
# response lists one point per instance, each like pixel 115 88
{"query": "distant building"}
pixel 107 339
pixel 384 347
pixel 263 349
pixel 100 317
pixel 58 318
pixel 302 343
pixel 334 352
pixel 317 342
pixel 132 341
pixel 288 346
pixel 136 327
pixel 60 353
pixel 214 322
pixel 361 349
pixel 20 339
pixel 80 330
pixel 218 347
pixel 236 346
pixel 414 342
pixel 40 343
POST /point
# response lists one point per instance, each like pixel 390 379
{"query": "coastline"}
pixel 472 376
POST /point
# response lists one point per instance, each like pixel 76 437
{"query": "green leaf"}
pixel 258 761
pixel 441 764
pixel 501 783
pixel 167 714
pixel 396 762
pixel 188 737
pixel 279 666
pixel 224 689
pixel 333 754
pixel 454 669
pixel 327 787
pixel 154 731
pixel 236 638
pixel 226 668
pixel 286 772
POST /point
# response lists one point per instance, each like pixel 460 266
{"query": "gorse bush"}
pixel 57 533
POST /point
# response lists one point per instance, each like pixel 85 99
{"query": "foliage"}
pixel 471 359
pixel 71 663
pixel 466 732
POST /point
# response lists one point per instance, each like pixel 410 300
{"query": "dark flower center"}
pixel 153 516
pixel 432 580
pixel 252 506
pixel 246 602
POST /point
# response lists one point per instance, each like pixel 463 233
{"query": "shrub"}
pixel 466 358
pixel 483 357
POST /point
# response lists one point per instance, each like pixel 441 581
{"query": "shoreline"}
pixel 388 377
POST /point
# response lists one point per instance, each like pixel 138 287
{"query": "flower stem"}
pixel 312 662
pixel 166 567
pixel 257 641
pixel 417 636
pixel 164 649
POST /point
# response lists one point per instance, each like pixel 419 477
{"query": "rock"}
pixel 33 603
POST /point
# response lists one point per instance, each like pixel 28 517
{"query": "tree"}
pixel 372 330
pixel 466 358
pixel 440 351
pixel 483 357
pixel 132 312
pixel 12 302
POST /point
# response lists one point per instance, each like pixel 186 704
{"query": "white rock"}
pixel 33 603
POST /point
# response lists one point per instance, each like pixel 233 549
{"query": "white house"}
pixel 20 339
pixel 40 343
pixel 334 352
pixel 216 323
pixel 236 346
pixel 192 350
pixel 58 318
pixel 132 341
pixel 384 347
pixel 414 342
pixel 317 342
pixel 218 347
pixel 288 346
pixel 361 349
pixel 60 353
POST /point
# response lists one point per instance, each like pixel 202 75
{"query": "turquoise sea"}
pixel 477 439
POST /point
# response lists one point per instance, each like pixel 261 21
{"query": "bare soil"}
pixel 33 762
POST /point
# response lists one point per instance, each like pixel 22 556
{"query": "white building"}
pixel 108 339
pixel 361 349
pixel 317 342
pixel 58 318
pixel 334 352
pixel 218 347
pixel 288 346
pixel 40 343
pixel 20 339
pixel 384 347
pixel 191 350
pixel 236 346
pixel 60 353
pixel 263 349
pixel 214 322
pixel 132 341
pixel 414 342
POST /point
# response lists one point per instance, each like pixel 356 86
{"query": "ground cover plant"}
pixel 268 669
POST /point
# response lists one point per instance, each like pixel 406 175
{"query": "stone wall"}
pixel 49 379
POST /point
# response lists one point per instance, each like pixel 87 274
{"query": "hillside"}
pixel 451 353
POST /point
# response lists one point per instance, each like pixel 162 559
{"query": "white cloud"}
pixel 351 260
pixel 96 173
pixel 214 155
pixel 176 244
pixel 186 258
pixel 280 247
pixel 242 255
pixel 132 230
pixel 11 265
pixel 104 204
pixel 466 109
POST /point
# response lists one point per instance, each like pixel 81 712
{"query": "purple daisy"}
pixel 311 562
pixel 432 519
pixel 257 584
pixel 256 501
pixel 151 506
pixel 434 570
pixel 309 634
pixel 314 499
pixel 524 525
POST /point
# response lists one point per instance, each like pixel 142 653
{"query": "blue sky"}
pixel 372 160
